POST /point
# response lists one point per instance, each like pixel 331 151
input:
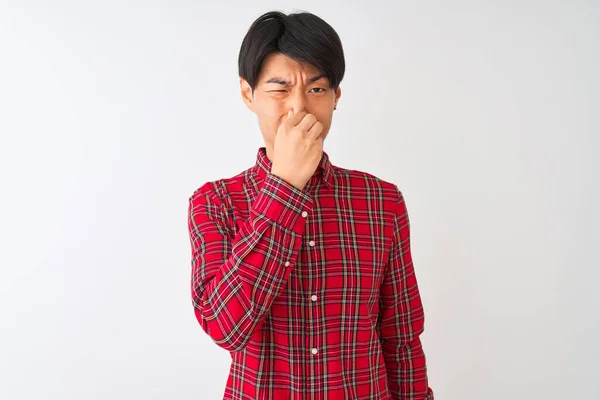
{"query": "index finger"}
pixel 294 119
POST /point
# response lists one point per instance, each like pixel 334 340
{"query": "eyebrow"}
pixel 282 81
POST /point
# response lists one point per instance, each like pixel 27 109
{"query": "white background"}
pixel 112 113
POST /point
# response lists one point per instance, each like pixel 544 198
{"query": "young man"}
pixel 302 269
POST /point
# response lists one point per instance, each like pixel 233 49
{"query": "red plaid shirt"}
pixel 312 291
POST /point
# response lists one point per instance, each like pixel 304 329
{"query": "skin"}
pixel 285 84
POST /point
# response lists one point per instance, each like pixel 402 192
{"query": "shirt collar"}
pixel 323 173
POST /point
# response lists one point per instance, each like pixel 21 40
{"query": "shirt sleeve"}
pixel 234 279
pixel 401 317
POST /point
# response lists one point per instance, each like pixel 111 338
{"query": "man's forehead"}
pixel 281 66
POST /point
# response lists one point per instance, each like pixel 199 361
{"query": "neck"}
pixel 269 152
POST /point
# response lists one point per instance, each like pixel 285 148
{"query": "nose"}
pixel 297 101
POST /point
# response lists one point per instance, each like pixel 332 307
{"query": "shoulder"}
pixel 218 192
pixel 367 182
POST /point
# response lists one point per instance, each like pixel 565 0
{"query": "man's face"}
pixel 285 84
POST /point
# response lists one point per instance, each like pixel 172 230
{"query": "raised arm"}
pixel 235 279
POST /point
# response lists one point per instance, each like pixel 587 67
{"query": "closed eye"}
pixel 320 90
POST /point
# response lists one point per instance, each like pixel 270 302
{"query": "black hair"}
pixel 301 36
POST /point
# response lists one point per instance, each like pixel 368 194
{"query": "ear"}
pixel 246 92
pixel 338 93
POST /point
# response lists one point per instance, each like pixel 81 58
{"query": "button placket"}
pixel 311 243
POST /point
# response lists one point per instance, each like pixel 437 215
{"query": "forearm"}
pixel 234 283
pixel 401 317
pixel 407 371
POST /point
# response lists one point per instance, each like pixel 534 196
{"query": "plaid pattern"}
pixel 311 291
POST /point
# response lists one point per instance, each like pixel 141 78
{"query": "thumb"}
pixel 288 116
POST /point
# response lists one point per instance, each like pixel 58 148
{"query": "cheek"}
pixel 325 118
pixel 274 109
pixel 270 113
pixel 267 107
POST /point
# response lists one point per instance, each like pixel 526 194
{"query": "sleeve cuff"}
pixel 282 203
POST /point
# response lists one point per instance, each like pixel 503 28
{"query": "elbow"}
pixel 226 340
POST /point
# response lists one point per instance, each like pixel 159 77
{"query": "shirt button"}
pixel 313 297
pixel 311 243
pixel 287 263
pixel 314 351
pixel 304 214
